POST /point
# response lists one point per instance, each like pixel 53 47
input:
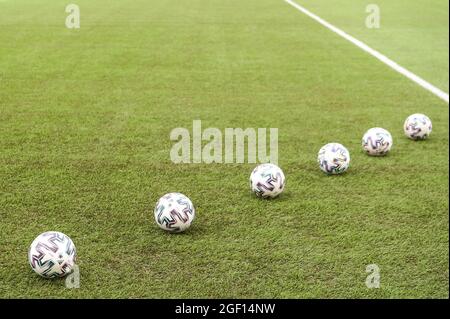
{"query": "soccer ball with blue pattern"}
pixel 174 212
pixel 267 180
pixel 333 158
pixel 377 141
pixel 52 254
pixel 418 126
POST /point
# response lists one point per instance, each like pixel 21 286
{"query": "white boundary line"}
pixel 417 79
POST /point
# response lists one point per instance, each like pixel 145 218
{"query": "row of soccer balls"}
pixel 334 158
pixel 53 254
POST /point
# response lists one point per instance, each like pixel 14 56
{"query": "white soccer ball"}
pixel 174 212
pixel 333 158
pixel 377 141
pixel 267 180
pixel 52 254
pixel 418 126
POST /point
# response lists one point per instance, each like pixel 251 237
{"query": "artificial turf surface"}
pixel 85 117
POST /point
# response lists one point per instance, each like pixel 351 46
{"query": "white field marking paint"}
pixel 418 80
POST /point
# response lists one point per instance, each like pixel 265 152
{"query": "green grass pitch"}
pixel 85 117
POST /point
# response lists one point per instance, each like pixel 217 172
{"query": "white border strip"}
pixel 417 79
